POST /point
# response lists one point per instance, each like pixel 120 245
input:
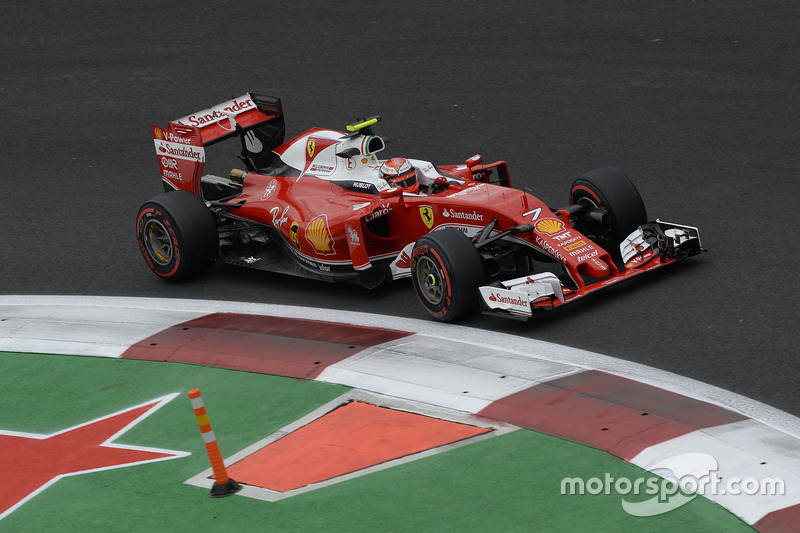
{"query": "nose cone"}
pixel 594 267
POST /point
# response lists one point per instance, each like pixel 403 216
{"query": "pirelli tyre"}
pixel 177 235
pixel 446 271
pixel 611 190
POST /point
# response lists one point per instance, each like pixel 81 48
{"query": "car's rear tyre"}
pixel 611 190
pixel 446 271
pixel 177 235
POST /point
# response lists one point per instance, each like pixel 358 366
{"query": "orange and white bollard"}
pixel 223 484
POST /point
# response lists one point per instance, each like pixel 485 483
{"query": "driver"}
pixel 400 173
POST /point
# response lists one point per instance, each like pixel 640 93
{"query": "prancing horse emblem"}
pixel 426 213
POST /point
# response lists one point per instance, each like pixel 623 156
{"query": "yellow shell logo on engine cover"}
pixel 550 226
pixel 426 213
pixel 319 235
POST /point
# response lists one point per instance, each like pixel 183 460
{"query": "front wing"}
pixel 651 246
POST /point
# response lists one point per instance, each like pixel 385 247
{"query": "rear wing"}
pixel 256 119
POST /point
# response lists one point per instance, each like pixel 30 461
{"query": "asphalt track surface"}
pixel 697 102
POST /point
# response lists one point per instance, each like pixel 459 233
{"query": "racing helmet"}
pixel 400 173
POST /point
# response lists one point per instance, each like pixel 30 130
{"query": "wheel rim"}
pixel 430 280
pixel 158 242
pixel 586 200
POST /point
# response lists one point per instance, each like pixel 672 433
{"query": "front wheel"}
pixel 177 235
pixel 446 271
pixel 611 190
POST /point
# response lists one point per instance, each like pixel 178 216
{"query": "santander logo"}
pixel 463 215
pixel 499 298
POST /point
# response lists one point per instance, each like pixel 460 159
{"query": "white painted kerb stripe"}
pixel 81 329
pixel 746 450
pixel 441 372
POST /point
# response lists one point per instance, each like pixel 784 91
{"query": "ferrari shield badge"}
pixel 310 146
pixel 293 229
pixel 426 213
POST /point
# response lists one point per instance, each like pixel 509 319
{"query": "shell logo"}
pixel 319 235
pixel 550 226
pixel 159 134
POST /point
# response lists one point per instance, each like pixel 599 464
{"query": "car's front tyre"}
pixel 446 271
pixel 609 189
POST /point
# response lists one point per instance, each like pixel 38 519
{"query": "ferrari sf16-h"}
pixel 325 206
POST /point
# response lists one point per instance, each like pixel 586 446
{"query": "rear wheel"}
pixel 611 190
pixel 446 271
pixel 177 235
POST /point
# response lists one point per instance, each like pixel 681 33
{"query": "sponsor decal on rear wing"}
pixel 180 146
pixel 221 120
pixel 181 156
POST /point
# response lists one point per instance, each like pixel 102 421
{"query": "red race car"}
pixel 325 206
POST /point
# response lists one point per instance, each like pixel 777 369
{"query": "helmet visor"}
pixel 405 181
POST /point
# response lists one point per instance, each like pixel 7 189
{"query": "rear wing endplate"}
pixel 180 146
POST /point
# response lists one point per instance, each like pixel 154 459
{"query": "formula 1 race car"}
pixel 324 206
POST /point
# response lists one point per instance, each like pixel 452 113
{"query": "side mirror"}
pixel 475 160
pixel 391 193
